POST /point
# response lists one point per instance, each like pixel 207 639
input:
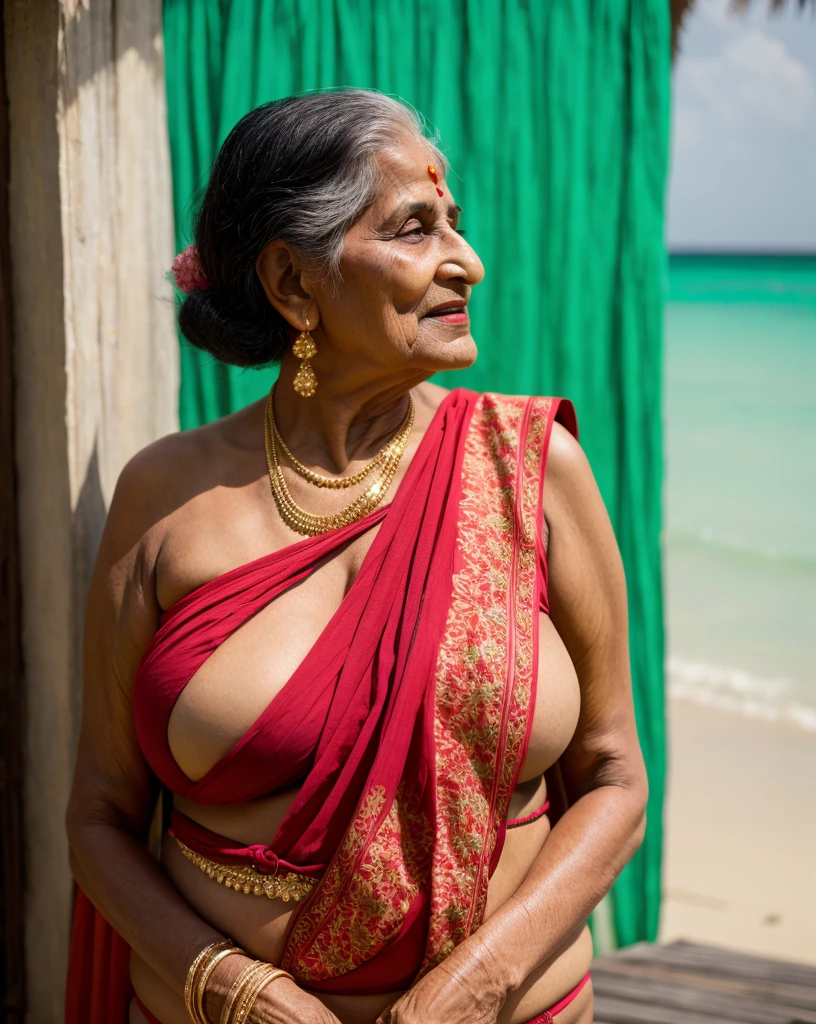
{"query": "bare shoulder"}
pixel 153 480
pixel 575 514
pixel 165 475
pixel 568 476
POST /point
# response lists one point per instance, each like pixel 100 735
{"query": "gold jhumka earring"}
pixel 305 382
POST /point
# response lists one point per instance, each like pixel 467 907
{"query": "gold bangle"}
pixel 244 978
pixel 199 1017
pixel 209 950
pixel 252 991
pixel 249 994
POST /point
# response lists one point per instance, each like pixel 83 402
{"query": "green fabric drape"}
pixel 554 116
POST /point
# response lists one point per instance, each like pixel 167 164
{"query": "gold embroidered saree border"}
pixel 491 636
pixel 484 681
pixel 378 868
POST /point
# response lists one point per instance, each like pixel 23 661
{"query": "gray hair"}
pixel 301 170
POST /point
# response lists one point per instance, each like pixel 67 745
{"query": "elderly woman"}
pixel 368 636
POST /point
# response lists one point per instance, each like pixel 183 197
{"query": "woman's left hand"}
pixel 463 989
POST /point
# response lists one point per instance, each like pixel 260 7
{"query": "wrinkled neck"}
pixel 338 426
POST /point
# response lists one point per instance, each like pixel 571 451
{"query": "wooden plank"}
pixel 793 996
pixel 12 878
pixel 612 1010
pixel 726 963
pixel 681 995
pixel 750 961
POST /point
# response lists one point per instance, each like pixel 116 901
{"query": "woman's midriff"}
pixel 259 924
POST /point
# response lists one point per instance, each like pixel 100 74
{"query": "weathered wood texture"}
pixel 95 365
pixel 12 979
pixel 684 983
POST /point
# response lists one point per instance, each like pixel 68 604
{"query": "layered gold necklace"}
pixel 386 462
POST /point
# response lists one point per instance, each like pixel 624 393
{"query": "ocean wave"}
pixel 739 692
pixel 741 549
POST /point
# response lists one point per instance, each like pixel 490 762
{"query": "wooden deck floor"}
pixel 683 983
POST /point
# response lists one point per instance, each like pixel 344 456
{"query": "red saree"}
pixel 420 693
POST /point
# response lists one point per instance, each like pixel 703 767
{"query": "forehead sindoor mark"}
pixel 432 174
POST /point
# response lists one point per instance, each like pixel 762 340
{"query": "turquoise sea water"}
pixel 740 497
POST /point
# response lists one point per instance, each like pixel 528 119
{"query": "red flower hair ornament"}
pixel 187 272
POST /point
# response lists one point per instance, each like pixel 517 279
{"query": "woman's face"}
pixel 401 261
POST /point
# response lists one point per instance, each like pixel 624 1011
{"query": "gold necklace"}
pixel 333 482
pixel 303 522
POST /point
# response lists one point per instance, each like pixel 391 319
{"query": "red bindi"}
pixel 435 179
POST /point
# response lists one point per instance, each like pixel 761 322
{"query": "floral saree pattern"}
pixel 481 695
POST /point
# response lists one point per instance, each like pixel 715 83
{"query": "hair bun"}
pixel 211 324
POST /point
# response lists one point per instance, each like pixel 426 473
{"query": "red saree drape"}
pixel 430 668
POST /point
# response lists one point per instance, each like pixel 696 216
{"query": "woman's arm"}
pixel 603 767
pixel 114 792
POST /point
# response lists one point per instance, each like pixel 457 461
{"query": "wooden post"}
pixel 96 370
pixel 12 979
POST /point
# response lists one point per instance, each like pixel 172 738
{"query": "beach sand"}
pixel 740 860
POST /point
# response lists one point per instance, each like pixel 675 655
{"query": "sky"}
pixel 743 173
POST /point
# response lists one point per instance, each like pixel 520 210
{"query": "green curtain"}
pixel 554 114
